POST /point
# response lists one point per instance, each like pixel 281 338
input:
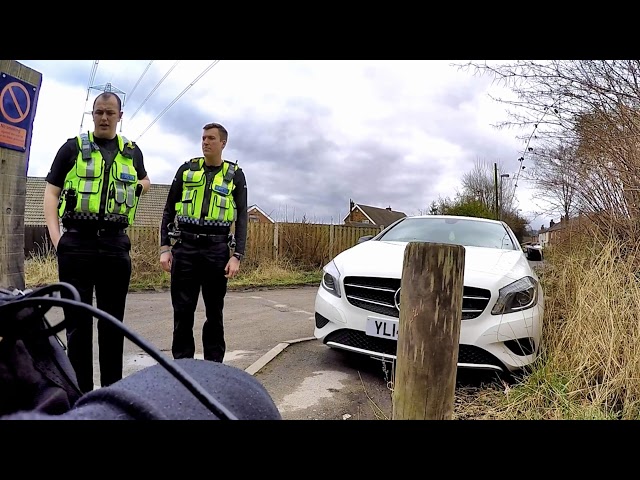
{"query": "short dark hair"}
pixel 106 95
pixel 223 131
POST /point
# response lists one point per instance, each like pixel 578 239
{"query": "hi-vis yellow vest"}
pixel 221 207
pixel 86 181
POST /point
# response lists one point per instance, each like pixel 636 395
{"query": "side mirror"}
pixel 365 238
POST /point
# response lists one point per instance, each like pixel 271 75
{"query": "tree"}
pixel 590 108
pixel 479 184
pixel 477 198
pixel 470 208
pixel 554 176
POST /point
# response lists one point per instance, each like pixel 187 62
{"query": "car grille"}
pixel 377 295
pixel 467 354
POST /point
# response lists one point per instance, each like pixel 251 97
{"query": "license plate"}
pixel 382 328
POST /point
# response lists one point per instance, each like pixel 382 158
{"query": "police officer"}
pixel 93 189
pixel 207 196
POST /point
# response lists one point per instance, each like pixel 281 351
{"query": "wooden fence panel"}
pixel 304 244
pixel 144 237
pixel 346 236
pixel 260 244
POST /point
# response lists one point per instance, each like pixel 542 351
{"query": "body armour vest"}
pixel 96 191
pixel 207 201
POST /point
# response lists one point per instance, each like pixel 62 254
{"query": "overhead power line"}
pixel 527 148
pixel 154 89
pixel 139 79
pixel 213 64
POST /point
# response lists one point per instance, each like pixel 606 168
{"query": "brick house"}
pixel 256 214
pixel 546 236
pixel 367 216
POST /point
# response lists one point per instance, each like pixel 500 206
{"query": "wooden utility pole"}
pixel 19 88
pixel 429 331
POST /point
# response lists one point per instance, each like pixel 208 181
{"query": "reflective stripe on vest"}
pixel 223 189
pixel 89 171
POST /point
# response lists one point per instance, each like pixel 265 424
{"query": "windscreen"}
pixel 466 232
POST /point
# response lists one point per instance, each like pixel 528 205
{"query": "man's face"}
pixel 106 116
pixel 212 145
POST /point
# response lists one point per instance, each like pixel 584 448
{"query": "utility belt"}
pixel 97 232
pixel 213 238
pixel 180 235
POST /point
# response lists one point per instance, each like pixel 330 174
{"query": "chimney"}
pixel 389 208
pixel 551 223
pixel 351 204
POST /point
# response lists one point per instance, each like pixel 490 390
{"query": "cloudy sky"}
pixel 310 135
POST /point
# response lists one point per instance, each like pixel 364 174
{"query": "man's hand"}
pixel 55 238
pixel 233 265
pixel 51 196
pixel 146 184
pixel 166 259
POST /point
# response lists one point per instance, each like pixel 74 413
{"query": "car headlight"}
pixel 517 296
pixel 331 279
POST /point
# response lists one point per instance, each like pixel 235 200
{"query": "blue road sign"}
pixel 17 109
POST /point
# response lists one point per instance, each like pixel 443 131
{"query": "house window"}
pixel 253 218
pixel 365 221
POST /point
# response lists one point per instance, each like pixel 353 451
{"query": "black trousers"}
pixel 198 265
pixel 90 261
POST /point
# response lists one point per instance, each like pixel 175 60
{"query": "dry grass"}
pixel 41 269
pixel 272 273
pixel 590 363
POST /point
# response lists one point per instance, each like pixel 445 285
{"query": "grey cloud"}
pixel 445 120
pixel 297 155
pixel 372 174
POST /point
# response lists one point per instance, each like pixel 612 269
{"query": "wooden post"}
pixel 429 331
pixel 19 88
pixel 331 241
pixel 276 242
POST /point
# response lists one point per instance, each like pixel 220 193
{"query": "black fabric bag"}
pixel 37 380
pixel 35 372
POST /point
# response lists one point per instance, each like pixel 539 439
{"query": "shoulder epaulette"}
pixel 231 171
pixel 233 164
pixel 128 147
pixel 194 163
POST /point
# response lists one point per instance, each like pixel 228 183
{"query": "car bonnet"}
pixel 385 259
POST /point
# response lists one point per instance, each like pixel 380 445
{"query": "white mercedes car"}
pixel 357 304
